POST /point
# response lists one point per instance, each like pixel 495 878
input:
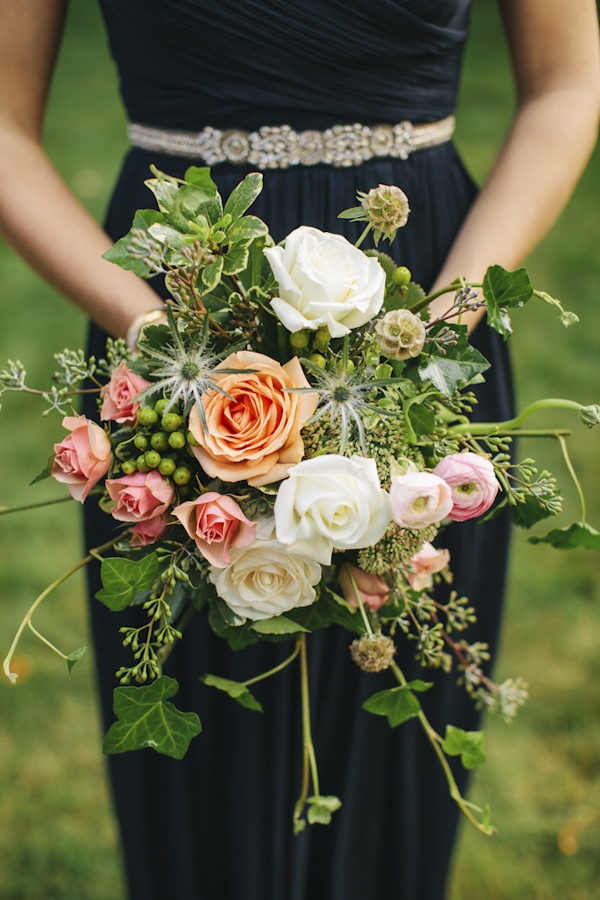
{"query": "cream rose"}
pixel 324 281
pixel 331 503
pixel 265 579
pixel 254 433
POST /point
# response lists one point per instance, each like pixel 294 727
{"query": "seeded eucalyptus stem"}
pixel 309 767
pixel 436 742
pixel 12 676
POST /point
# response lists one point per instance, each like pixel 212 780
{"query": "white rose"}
pixel 324 280
pixel 264 579
pixel 331 503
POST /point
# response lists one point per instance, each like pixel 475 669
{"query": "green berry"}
pixel 167 466
pixel 147 416
pixel 129 467
pixel 299 339
pixel 171 422
pixel 182 475
pixel 401 276
pixel 160 441
pixel 191 439
pixel 318 360
pixel 160 405
pixel 183 490
pixel 152 459
pixel 177 440
pixel 141 464
pixel 140 441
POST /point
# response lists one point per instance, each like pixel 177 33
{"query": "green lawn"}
pixel 58 839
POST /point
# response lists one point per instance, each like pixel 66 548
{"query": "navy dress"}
pixel 217 825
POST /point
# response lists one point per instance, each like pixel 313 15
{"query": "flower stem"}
pixel 4 510
pixel 363 235
pixel 425 301
pixel 275 669
pixel 569 466
pixel 29 615
pixel 361 605
pixel 510 424
pixel 436 742
pixel 309 759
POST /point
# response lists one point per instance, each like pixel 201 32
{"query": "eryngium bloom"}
pixel 386 208
pixel 372 652
pixel 400 334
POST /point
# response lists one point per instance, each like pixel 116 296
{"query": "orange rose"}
pixel 256 435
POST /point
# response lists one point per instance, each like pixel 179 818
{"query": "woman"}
pixel 217 825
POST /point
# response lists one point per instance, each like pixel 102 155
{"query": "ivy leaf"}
pixel 579 534
pixel 504 290
pixel 244 195
pixel 454 369
pixel 421 419
pixel 121 578
pixel 235 689
pixel 146 720
pixel 528 513
pixel 74 657
pixel 199 176
pixel 277 625
pixel 418 685
pixel 328 609
pixel 321 808
pixel 467 744
pixel 398 704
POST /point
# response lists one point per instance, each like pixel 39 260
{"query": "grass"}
pixel 543 778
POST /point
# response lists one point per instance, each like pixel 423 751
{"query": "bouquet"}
pixel 281 452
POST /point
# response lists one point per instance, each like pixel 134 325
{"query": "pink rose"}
pixel 419 499
pixel 140 496
pixel 473 482
pixel 119 395
pixel 372 589
pixel 216 523
pixel 149 531
pixel 83 458
pixel 426 563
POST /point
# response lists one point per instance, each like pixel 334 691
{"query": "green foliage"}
pixel 398 704
pixel 466 744
pixel 121 578
pixel 321 808
pixel 235 689
pixel 504 290
pixel 453 369
pixel 579 534
pixel 74 657
pixel 147 720
pixel 277 625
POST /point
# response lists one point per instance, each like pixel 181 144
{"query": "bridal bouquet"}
pixel 280 452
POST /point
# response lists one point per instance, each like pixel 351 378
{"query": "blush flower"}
pixel 216 523
pixel 140 496
pixel 83 458
pixel 254 433
pixel 119 395
pixel 419 499
pixel 372 589
pixel 426 563
pixel 149 531
pixel 473 482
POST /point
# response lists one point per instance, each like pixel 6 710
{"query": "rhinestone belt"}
pixel 278 147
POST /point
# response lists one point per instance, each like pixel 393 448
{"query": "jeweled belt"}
pixel 278 147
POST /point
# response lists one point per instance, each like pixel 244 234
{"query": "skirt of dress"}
pixel 217 825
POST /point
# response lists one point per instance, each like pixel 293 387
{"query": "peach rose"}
pixel 149 531
pixel 216 523
pixel 139 496
pixel 83 458
pixel 119 395
pixel 253 434
pixel 372 589
pixel 426 563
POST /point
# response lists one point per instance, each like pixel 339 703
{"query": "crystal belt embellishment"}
pixel 279 146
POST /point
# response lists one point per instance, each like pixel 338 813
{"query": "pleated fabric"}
pixel 217 825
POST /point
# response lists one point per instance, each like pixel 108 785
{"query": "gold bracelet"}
pixel 133 332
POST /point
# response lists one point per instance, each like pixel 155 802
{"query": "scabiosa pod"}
pixel 400 334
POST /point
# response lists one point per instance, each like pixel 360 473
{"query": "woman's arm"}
pixel 39 216
pixel 555 51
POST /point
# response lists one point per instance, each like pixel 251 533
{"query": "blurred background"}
pixel 58 839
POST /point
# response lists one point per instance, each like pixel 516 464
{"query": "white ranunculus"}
pixel 324 280
pixel 265 579
pixel 331 503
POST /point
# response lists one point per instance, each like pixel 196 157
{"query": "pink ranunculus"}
pixel 149 531
pixel 83 458
pixel 419 499
pixel 426 563
pixel 139 496
pixel 372 589
pixel 119 395
pixel 473 483
pixel 216 523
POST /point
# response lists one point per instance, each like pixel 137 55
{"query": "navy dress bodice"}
pixel 217 825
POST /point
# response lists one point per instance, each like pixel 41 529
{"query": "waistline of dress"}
pixel 279 147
